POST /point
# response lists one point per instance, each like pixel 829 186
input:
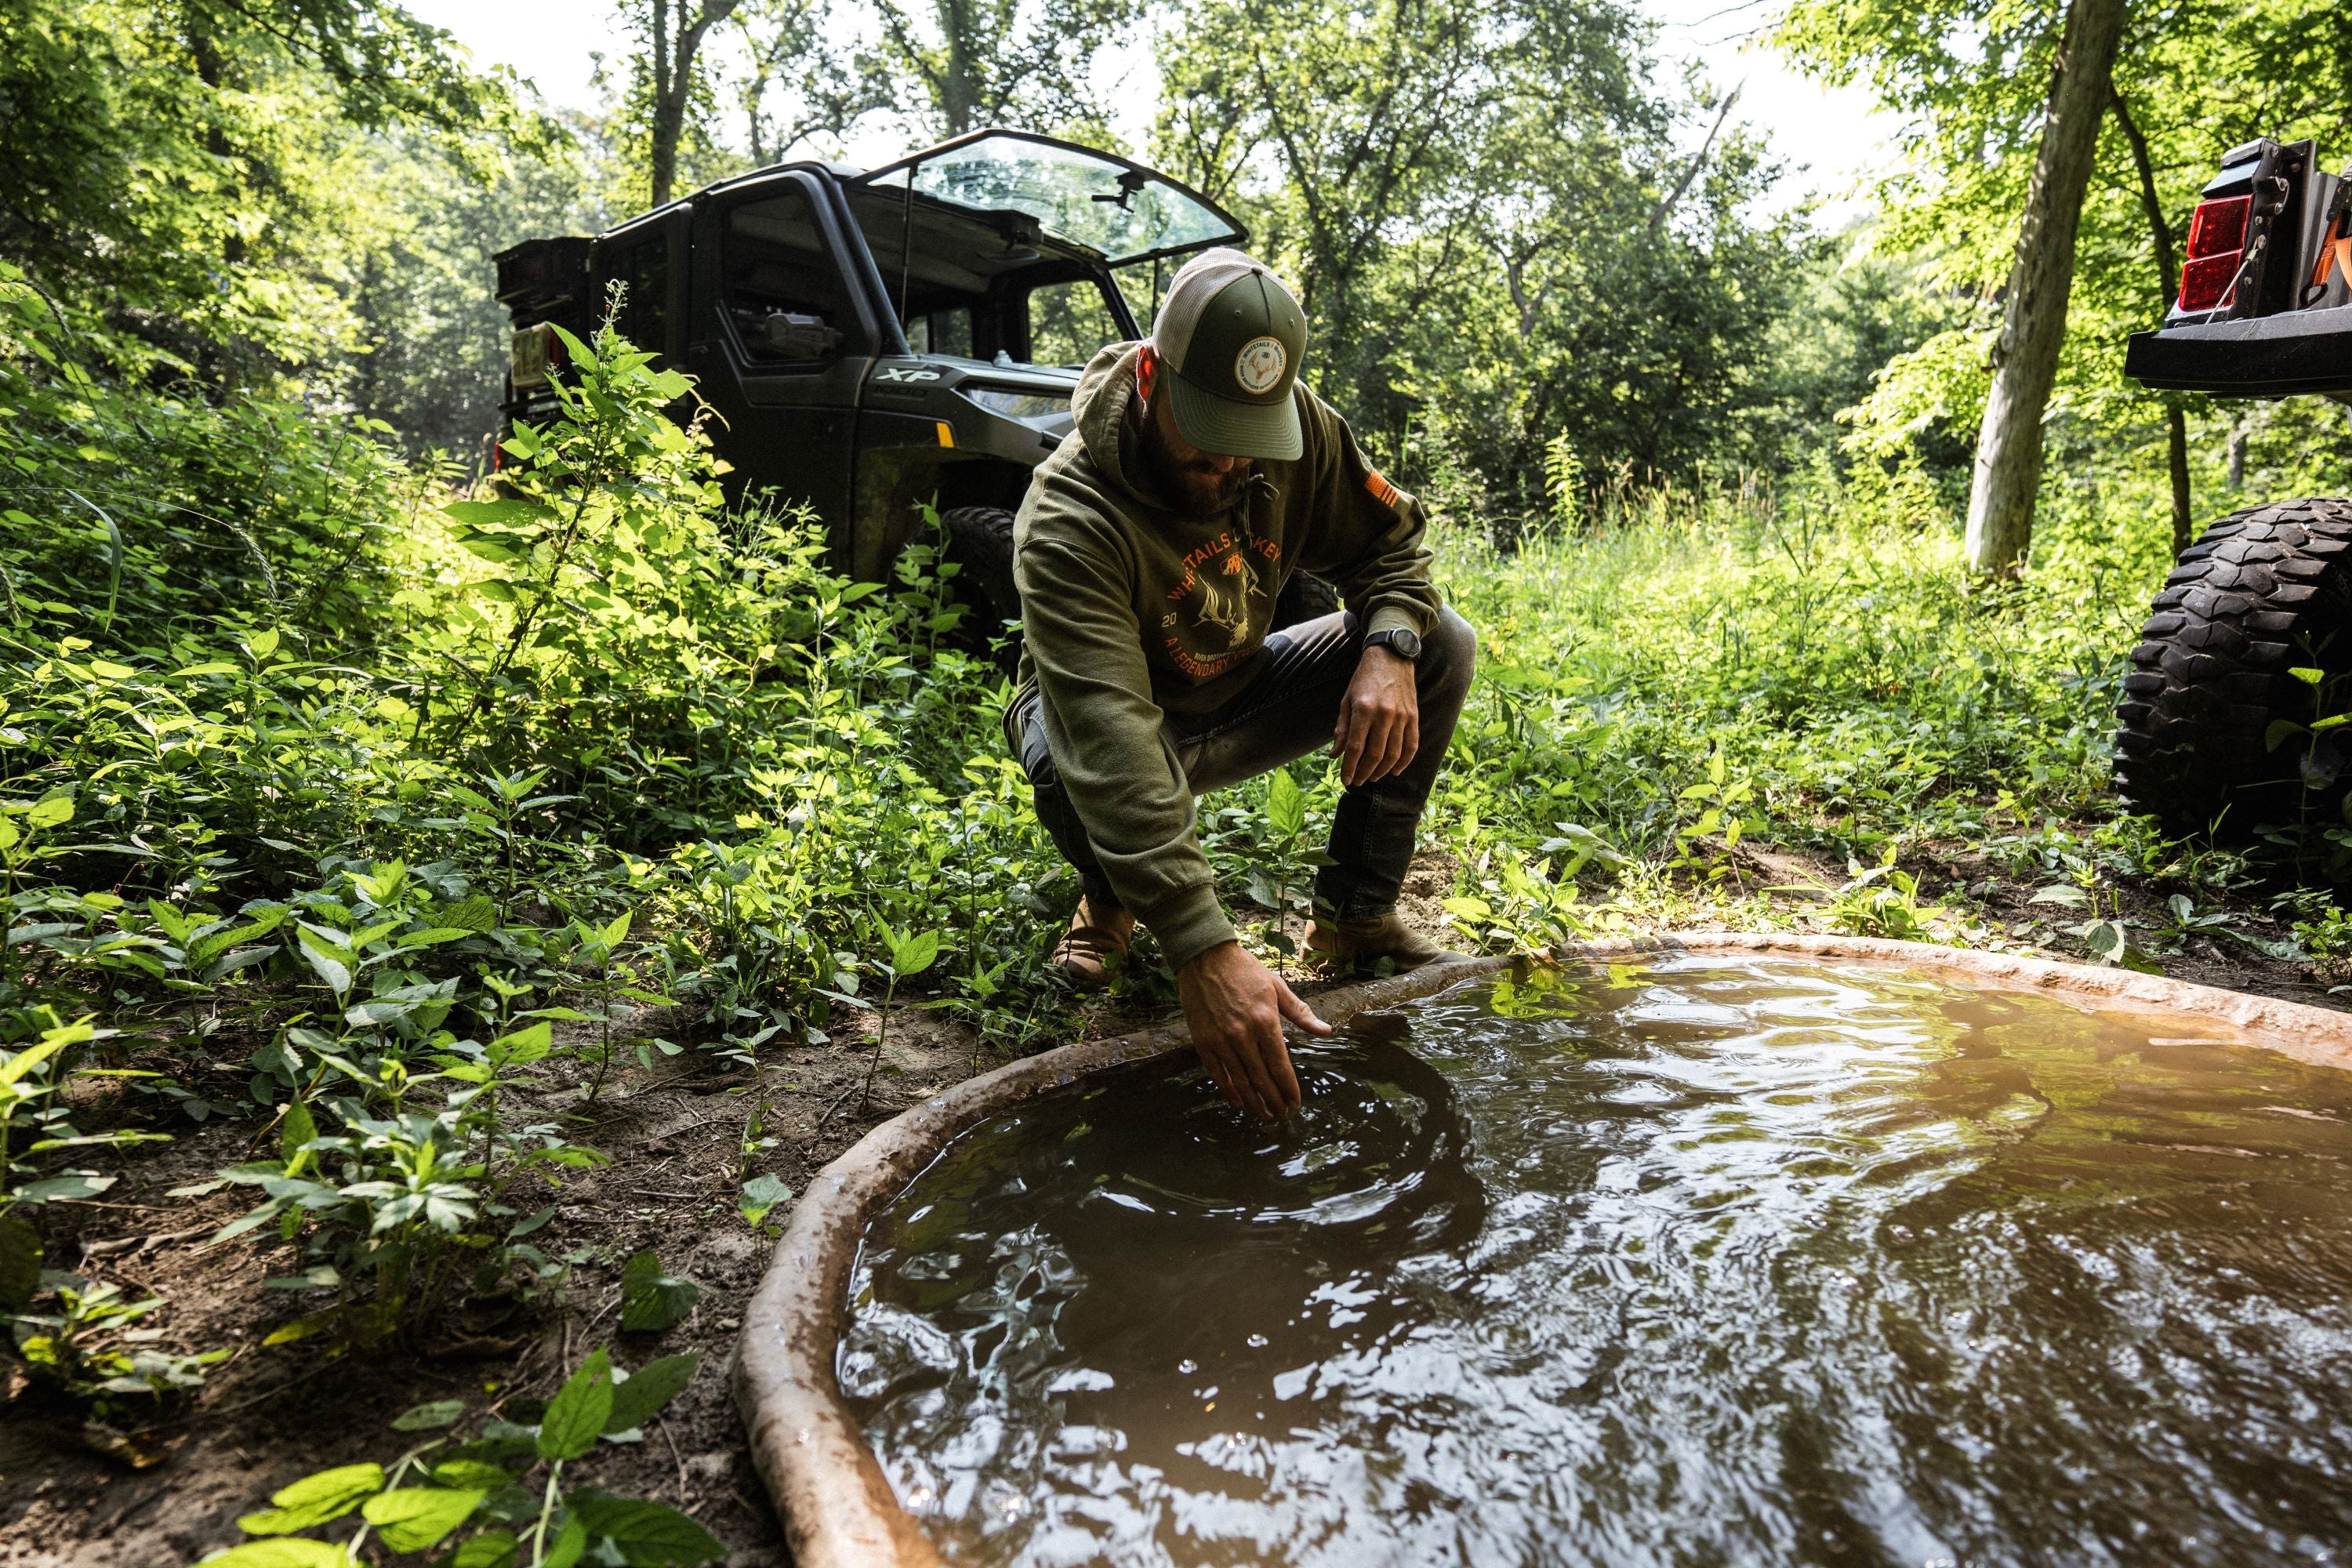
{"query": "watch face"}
pixel 1404 644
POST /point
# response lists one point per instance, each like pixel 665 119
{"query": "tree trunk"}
pixel 961 95
pixel 673 74
pixel 2167 284
pixel 2033 323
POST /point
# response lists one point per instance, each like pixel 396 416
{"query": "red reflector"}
pixel 2217 227
pixel 497 455
pixel 2205 283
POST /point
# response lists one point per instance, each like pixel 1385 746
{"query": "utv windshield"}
pixel 1122 211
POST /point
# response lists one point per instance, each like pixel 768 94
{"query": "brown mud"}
pixel 269 1414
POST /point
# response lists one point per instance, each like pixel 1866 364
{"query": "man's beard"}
pixel 1196 487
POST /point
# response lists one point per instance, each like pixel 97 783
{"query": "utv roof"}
pixel 1096 201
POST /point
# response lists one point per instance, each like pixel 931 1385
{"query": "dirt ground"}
pixel 269 1414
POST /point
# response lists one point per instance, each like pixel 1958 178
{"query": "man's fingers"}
pixel 1391 747
pixel 1240 1084
pixel 1352 746
pixel 1261 1060
pixel 1296 1011
pixel 1278 1068
pixel 1403 740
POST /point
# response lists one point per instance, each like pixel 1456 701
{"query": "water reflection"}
pixel 1705 1261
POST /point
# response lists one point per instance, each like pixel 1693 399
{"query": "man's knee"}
pixel 1449 656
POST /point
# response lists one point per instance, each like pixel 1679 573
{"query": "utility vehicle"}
pixel 874 339
pixel 2229 714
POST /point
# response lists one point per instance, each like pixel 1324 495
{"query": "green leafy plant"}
pixel 1881 901
pixel 478 1498
pixel 88 1349
pixel 410 1201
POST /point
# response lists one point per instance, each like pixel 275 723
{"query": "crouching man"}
pixel 1149 554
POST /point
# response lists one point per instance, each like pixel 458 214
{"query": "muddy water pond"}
pixel 1701 1260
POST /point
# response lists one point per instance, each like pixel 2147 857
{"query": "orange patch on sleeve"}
pixel 1387 494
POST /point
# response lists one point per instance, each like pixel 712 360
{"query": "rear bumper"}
pixel 2267 356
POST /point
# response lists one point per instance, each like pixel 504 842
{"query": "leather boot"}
pixel 1084 954
pixel 1359 946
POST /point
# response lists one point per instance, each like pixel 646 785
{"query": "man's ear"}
pixel 1147 372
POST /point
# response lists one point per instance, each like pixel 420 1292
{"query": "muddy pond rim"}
pixel 836 1504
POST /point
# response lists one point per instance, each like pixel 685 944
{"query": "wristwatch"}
pixel 1399 640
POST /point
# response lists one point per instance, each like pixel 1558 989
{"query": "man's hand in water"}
pixel 1235 1008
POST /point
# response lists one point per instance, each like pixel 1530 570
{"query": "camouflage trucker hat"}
pixel 1233 336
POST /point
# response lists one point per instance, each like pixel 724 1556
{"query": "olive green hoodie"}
pixel 1131 611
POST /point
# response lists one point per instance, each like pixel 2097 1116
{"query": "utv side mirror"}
pixel 795 337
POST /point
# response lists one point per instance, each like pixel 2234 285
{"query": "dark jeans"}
pixel 1288 711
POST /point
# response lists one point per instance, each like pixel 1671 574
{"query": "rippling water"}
pixel 1700 1261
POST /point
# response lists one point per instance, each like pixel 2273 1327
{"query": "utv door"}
pixel 781 342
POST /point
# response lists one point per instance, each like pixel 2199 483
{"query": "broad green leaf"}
pixel 49 811
pixel 2307 675
pixel 333 968
pixel 71 1184
pixel 648 1534
pixel 913 952
pixel 426 1417
pixel 471 1473
pixel 505 514
pixel 525 1045
pixel 415 1518
pixel 491 1549
pixel 263 645
pixel 2106 941
pixel 297 1130
pixel 571 1543
pixel 315 1499
pixel 576 1415
pixel 2276 735
pixel 649 1389
pixel 652 1300
pixel 2063 893
pixel 1286 803
pixel 292 1552
pixel 760 1193
pixel 31 1056
pixel 476 913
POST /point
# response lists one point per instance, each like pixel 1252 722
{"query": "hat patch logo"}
pixel 1260 365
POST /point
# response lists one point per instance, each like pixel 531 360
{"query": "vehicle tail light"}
pixel 2217 245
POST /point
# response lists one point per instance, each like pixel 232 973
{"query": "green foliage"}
pixel 475 1497
pixel 196 167
pixel 651 1300
pixel 1881 901
pixel 1810 666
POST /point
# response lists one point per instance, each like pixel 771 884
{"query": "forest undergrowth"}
pixel 347 817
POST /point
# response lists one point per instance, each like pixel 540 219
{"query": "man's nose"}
pixel 1223 465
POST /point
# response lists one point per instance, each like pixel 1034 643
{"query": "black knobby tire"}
pixel 979 541
pixel 2265 591
pixel 1304 598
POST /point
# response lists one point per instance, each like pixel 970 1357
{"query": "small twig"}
pixel 676 1457
pixel 134 1245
